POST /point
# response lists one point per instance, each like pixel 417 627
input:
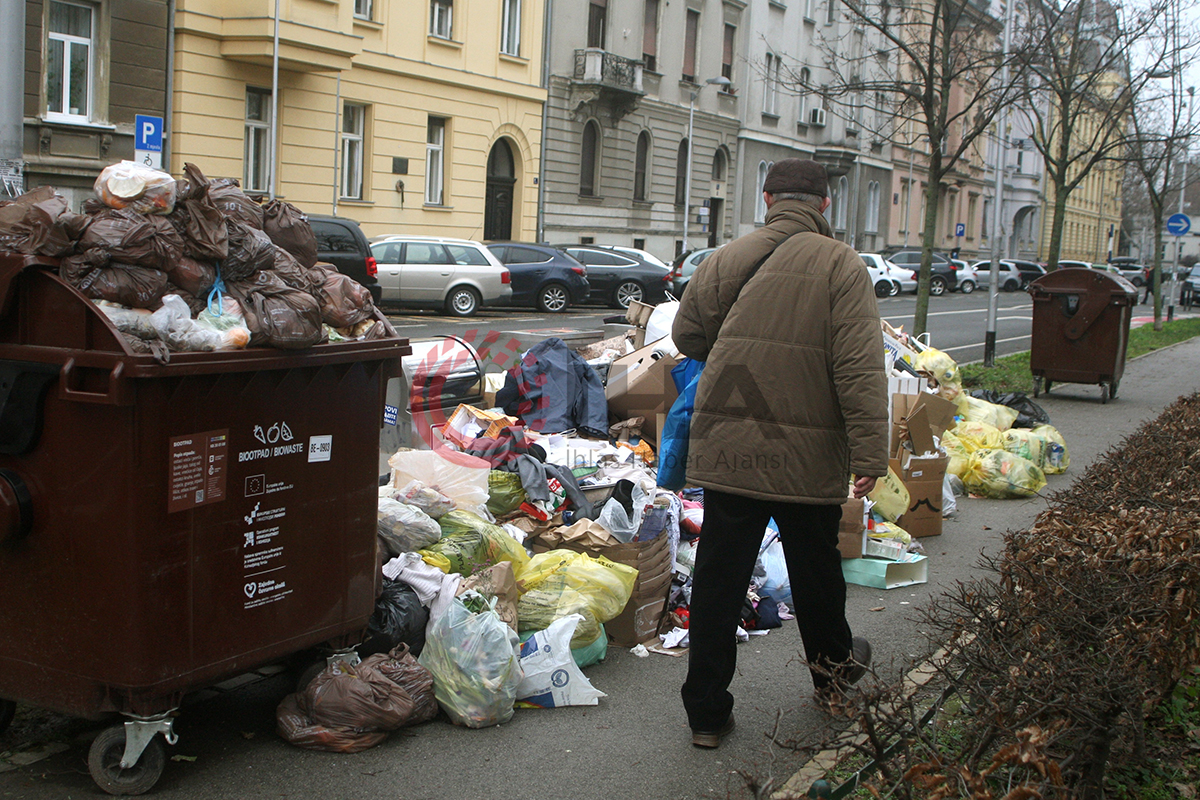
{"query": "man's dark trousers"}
pixel 729 542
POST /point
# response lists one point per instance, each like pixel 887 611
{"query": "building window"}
pixel 727 53
pixel 597 21
pixel 805 79
pixel 639 244
pixel 690 32
pixel 589 154
pixel 873 207
pixel 972 220
pixel 830 11
pixel 771 86
pixel 650 36
pixel 364 8
pixel 808 9
pixel 441 18
pixel 256 164
pixel 681 170
pixel 510 33
pixel 69 34
pixel 718 167
pixel 353 125
pixel 435 161
pixel 843 198
pixel 639 166
pixel 760 203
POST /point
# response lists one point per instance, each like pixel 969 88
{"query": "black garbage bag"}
pixel 399 618
pixel 250 250
pixel 1029 413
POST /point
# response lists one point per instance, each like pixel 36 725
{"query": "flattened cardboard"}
pixel 640 385
pixel 881 574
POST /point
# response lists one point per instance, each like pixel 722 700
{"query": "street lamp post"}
pixel 1191 90
pixel 721 81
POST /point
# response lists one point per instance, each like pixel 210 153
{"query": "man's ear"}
pixel 768 199
pixel 825 204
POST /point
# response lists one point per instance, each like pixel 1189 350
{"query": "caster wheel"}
pixel 8 710
pixel 1037 386
pixel 1048 385
pixel 1104 394
pixel 104 763
pixel 1112 391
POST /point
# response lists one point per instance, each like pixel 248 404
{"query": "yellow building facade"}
pixel 1092 218
pixel 410 116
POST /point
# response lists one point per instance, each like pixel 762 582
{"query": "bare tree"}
pixel 935 64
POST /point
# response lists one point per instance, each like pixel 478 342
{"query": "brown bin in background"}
pixel 166 526
pixel 1080 328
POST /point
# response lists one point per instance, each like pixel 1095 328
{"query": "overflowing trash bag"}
pixel 1029 413
pixel 474 658
pixel 174 325
pixel 404 528
pixel 1026 444
pixel 973 409
pixel 426 498
pixel 958 451
pixel 976 435
pixel 1058 458
pixel 399 618
pixel 348 708
pixel 470 543
pixel 562 582
pixel 38 223
pixel 143 189
pixel 942 370
pixel 552 679
pixel 277 314
pixel 1001 475
pixel 775 582
pixel 288 228
pixel 505 492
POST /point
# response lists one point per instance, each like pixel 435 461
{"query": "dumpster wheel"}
pixel 8 710
pixel 1104 393
pixel 104 763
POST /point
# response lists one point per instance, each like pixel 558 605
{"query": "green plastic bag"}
pixel 505 493
pixel 470 543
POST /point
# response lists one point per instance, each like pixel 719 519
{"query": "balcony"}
pixel 606 81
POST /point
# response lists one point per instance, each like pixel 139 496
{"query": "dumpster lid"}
pixel 1078 280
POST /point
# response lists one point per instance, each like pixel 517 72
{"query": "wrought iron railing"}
pixel 593 65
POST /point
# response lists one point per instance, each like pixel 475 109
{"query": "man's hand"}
pixel 863 487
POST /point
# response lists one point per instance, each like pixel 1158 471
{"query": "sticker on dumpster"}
pixel 197 463
pixel 261 592
pixel 389 414
pixel 320 448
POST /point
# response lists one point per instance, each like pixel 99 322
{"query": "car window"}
pixel 425 253
pixel 598 258
pixel 465 254
pixel 525 255
pixel 386 252
pixel 868 263
pixel 333 238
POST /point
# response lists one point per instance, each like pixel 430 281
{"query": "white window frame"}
pixel 808 9
pixel 510 28
pixel 257 162
pixel 363 9
pixel 441 19
pixel 873 195
pixel 435 161
pixel 760 204
pixel 69 43
pixel 830 11
pixel 354 125
pixel 842 202
pixel 771 85
pixel 805 79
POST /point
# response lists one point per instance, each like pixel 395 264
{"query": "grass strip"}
pixel 1011 373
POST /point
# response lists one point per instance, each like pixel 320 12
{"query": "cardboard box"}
pixel 640 385
pixel 890 549
pixel 878 574
pixel 468 422
pixel 850 529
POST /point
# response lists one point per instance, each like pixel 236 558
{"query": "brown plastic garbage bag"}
pixel 277 314
pixel 291 273
pixel 194 277
pixel 132 238
pixel 344 301
pixel 126 285
pixel 38 223
pixel 250 250
pixel 288 228
pixel 227 195
pixel 198 220
pixel 347 708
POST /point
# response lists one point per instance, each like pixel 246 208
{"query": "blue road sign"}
pixel 960 229
pixel 148 133
pixel 1178 224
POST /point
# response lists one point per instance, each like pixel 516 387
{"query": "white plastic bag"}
pixel 949 504
pixel 552 679
pixel 776 584
pixel 460 477
pixel 620 524
pixel 174 325
pixel 661 320
pixel 426 498
pixel 405 528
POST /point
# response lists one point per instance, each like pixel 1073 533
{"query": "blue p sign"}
pixel 960 229
pixel 148 133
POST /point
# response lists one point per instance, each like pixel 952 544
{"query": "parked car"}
pixel 1010 278
pixel 943 278
pixel 1030 271
pixel 1131 269
pixel 685 265
pixel 1189 287
pixel 888 279
pixel 458 276
pixel 966 280
pixel 341 242
pixel 543 276
pixel 620 277
pixel 1069 264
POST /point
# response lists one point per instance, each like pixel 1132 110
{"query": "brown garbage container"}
pixel 1080 329
pixel 166 526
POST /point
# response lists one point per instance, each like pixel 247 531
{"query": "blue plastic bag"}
pixel 673 442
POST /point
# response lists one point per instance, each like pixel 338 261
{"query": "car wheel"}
pixel 895 290
pixel 627 293
pixel 553 298
pixel 463 301
pixel 883 288
pixel 937 286
pixel 1138 282
pixel 967 286
pixel 1011 286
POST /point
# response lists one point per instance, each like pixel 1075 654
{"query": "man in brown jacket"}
pixel 792 402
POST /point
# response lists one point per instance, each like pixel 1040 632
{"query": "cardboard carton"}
pixel 912 569
pixel 640 385
pixel 468 422
pixel 850 529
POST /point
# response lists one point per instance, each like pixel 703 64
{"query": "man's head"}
pixel 797 179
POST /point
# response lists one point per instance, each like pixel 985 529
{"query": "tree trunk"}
pixel 1057 223
pixel 1157 275
pixel 928 237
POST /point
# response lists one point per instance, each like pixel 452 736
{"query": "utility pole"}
pixel 989 341
pixel 12 99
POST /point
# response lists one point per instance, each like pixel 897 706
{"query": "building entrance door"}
pixel 498 202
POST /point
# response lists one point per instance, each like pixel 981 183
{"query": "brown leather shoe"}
pixel 712 739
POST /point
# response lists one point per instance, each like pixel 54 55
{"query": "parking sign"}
pixel 960 229
pixel 148 140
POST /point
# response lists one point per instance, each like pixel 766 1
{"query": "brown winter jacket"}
pixel 793 398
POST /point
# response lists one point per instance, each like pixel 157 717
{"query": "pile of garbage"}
pixel 192 264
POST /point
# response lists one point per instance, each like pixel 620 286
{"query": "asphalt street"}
pixel 635 743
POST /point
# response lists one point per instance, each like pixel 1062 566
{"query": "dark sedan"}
pixel 620 277
pixel 943 276
pixel 542 276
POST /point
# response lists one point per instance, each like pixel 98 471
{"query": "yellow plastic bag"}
pixel 943 370
pixel 975 410
pixel 470 543
pixel 1001 475
pixel 1058 458
pixel 890 496
pixel 561 582
pixel 1026 444
pixel 958 452
pixel 979 436
pixel 890 530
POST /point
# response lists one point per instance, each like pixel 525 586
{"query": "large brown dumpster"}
pixel 1080 329
pixel 166 526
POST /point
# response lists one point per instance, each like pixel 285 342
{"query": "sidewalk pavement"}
pixel 635 743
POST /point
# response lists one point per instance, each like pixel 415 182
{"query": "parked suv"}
pixel 620 277
pixel 543 276
pixel 458 276
pixel 943 278
pixel 342 243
